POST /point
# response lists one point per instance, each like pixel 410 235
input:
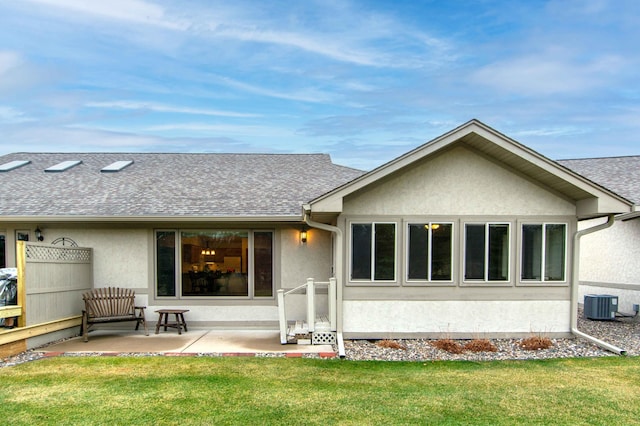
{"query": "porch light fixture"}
pixel 303 236
pixel 38 233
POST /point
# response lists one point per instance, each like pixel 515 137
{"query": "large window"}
pixel 430 251
pixel 373 251
pixel 166 263
pixel 231 263
pixel 486 256
pixel 544 252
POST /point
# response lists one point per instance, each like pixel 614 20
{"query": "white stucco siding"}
pixel 460 182
pixel 224 315
pixel 611 255
pixel 299 261
pixel 462 319
pixel 121 257
pixel 609 262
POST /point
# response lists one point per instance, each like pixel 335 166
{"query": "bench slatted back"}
pixel 109 302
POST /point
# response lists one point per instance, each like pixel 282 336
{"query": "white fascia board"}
pixel 600 206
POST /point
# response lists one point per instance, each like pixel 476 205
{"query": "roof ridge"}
pixel 600 158
pixel 164 153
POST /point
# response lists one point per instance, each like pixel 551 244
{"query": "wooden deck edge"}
pixel 23 333
pixel 10 311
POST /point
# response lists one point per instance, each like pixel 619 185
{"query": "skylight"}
pixel 117 166
pixel 61 167
pixel 13 165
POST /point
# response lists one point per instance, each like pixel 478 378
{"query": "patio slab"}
pixel 228 342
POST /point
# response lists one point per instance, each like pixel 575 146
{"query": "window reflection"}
pixel 215 263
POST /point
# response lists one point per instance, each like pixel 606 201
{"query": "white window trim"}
pixel 543 256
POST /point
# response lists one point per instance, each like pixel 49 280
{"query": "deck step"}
pixel 299 332
pixel 300 327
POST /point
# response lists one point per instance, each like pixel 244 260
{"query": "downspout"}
pixel 337 274
pixel 575 283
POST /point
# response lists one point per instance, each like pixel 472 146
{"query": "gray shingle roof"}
pixel 618 174
pixel 200 185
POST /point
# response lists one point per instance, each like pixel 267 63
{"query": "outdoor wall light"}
pixel 38 233
pixel 303 236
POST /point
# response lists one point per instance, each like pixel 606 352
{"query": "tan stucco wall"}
pixel 124 257
pixel 459 182
pixel 458 186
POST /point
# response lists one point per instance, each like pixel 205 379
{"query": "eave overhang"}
pixel 591 199
pixel 151 219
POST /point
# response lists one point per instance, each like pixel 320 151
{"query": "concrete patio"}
pixel 224 342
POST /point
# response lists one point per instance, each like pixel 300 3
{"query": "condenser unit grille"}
pixel 600 306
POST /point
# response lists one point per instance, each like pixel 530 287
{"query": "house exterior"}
pixel 470 234
pixel 608 260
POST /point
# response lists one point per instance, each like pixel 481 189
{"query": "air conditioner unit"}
pixel 600 306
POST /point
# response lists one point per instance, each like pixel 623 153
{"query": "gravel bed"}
pixel 623 332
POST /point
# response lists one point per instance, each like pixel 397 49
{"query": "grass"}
pixel 247 391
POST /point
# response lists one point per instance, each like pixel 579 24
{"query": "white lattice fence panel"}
pixel 41 253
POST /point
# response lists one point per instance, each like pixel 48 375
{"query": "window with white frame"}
pixel 486 252
pixel 373 251
pixel 430 251
pixel 544 252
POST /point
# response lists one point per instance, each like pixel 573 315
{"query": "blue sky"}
pixel 364 81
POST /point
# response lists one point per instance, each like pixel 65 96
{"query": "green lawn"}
pixel 199 391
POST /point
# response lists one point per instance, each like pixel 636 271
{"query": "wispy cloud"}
pixel 329 47
pixel 306 95
pixel 367 39
pixel 158 107
pixel 543 75
pixel 8 60
pixel 132 11
pixel 360 80
pixel 9 115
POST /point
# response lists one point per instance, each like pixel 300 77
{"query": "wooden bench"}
pixel 110 304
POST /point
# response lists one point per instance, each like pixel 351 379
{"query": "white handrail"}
pixel 333 301
pixel 311 305
pixel 310 287
pixel 282 317
pixel 295 289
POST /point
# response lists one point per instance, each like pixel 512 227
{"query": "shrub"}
pixel 391 344
pixel 449 345
pixel 480 345
pixel 535 343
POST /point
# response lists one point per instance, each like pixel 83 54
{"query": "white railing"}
pixel 310 287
